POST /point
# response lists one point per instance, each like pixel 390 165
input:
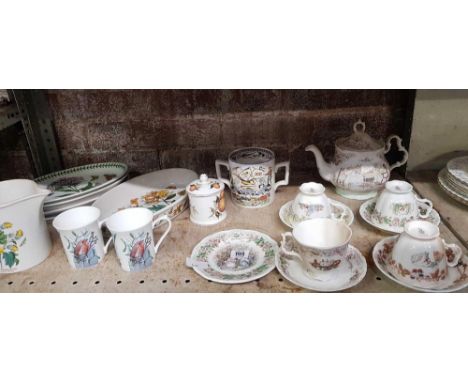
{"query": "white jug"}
pixel 24 238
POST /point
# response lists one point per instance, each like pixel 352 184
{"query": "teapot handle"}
pixel 388 145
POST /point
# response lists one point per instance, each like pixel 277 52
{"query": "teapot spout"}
pixel 326 170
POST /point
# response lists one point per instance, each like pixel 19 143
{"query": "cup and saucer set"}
pixel 421 260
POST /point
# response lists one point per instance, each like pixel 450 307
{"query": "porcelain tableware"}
pixel 456 279
pixel 367 208
pixel 350 273
pixel 233 257
pixel 311 202
pixel 133 238
pixel 458 169
pixel 318 244
pixel 70 183
pixel 24 238
pixel 449 189
pixel 360 168
pixel 339 211
pixel 162 192
pixel 252 176
pixel 421 256
pixel 207 203
pixel 397 204
pixel 81 236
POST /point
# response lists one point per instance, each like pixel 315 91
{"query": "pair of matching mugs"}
pixel 131 232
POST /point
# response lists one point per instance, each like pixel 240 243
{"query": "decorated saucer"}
pixel 457 277
pixel 340 211
pixel 234 257
pixel 368 206
pixel 348 274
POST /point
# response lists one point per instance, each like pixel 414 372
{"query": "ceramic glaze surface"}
pixel 339 211
pixel 24 238
pixel 421 256
pixel 162 192
pixel 349 273
pixel 456 278
pixel 67 184
pixel 81 236
pixel 311 202
pixel 207 201
pixel 397 204
pixel 252 176
pixel 360 167
pixel 235 256
pixel 133 238
pixel 319 244
pixel 458 169
pixel 395 224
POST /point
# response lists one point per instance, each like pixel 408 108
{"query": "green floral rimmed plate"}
pixel 234 257
pixel 70 183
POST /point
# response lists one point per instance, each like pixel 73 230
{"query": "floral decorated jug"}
pixel 360 168
pixel 24 238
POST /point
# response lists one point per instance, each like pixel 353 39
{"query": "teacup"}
pixel 252 176
pixel 81 236
pixel 311 202
pixel 421 256
pixel 132 234
pixel 319 244
pixel 397 204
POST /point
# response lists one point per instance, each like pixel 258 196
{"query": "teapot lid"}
pixel 359 140
pixel 204 186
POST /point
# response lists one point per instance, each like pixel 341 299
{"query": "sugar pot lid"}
pixel 204 186
pixel 359 140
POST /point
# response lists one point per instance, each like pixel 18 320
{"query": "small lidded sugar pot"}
pixel 207 202
pixel 360 167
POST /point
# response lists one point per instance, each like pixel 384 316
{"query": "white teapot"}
pixel 360 168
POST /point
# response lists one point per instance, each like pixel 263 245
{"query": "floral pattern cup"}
pixel 252 176
pixel 397 204
pixel 311 202
pixel 81 236
pixel 132 234
pixel 319 244
pixel 421 257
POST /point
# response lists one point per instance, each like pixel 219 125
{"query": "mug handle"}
pixel 285 181
pixel 429 209
pixel 457 251
pixel 285 237
pixel 218 164
pixel 106 246
pixel 388 145
pixel 156 222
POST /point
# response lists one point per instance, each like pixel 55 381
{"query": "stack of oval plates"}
pixel 80 186
pixel 453 179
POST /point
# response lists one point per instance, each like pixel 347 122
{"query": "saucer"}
pixel 348 274
pixel 367 208
pixel 234 257
pixel 340 211
pixel 457 277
